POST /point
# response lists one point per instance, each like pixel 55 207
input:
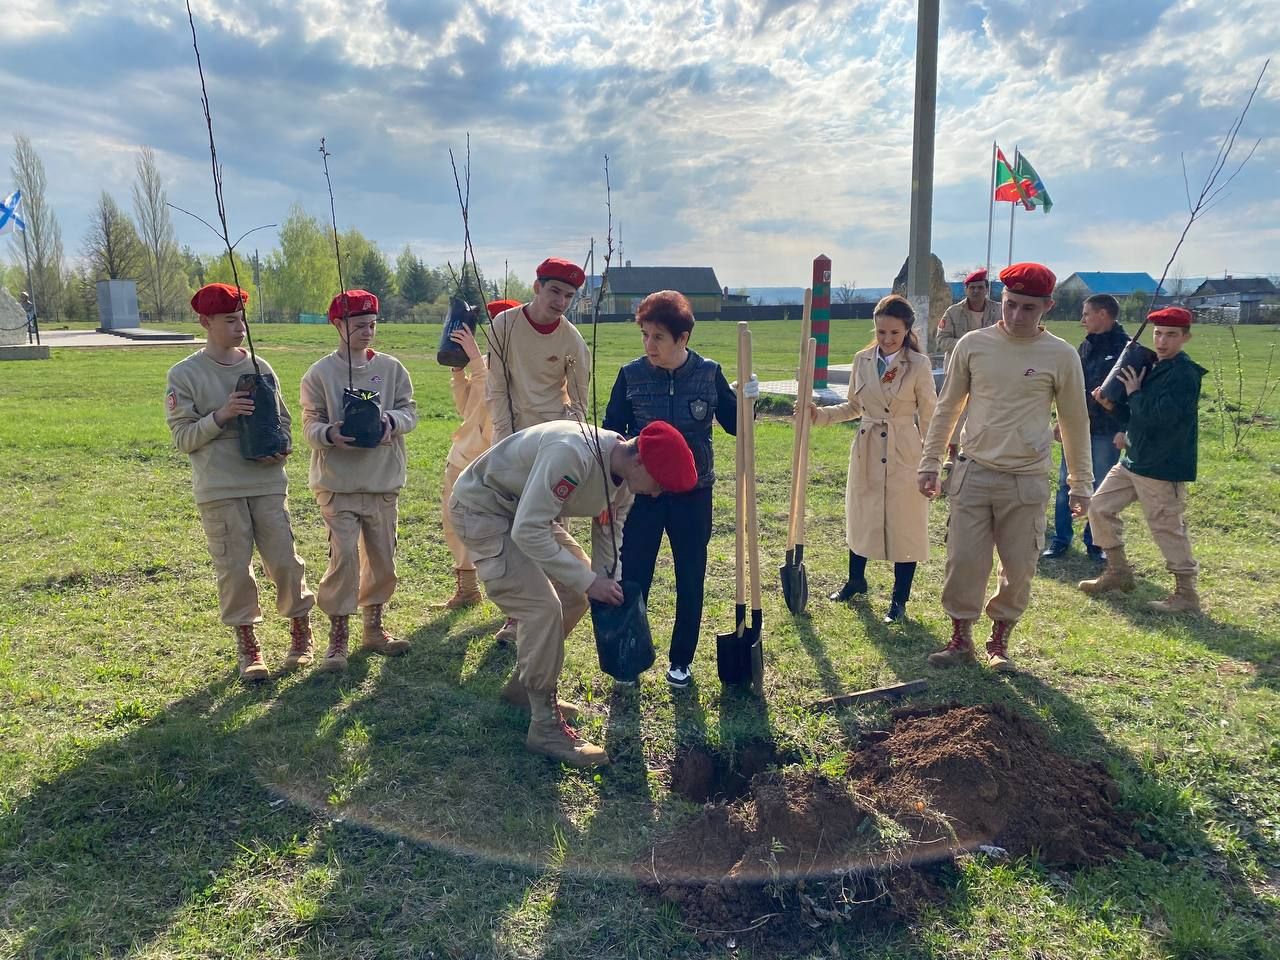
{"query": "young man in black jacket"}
pixel 1161 417
pixel 1104 339
pixel 672 383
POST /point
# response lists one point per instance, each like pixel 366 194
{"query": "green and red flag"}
pixel 1031 185
pixel 1007 187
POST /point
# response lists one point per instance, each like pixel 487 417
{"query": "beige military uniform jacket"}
pixel 540 474
pixel 957 320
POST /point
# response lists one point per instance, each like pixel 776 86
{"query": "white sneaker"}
pixel 679 677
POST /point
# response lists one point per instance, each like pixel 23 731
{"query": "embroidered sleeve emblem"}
pixel 564 488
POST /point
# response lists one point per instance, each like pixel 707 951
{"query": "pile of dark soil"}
pixel 799 849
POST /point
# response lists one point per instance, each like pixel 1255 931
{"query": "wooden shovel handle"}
pixel 806 322
pixel 753 527
pixel 739 487
pixel 802 472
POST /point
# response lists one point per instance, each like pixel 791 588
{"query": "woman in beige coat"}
pixel 892 391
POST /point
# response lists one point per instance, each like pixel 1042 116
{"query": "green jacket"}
pixel 1162 421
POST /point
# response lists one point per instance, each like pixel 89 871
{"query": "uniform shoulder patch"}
pixel 171 400
pixel 564 487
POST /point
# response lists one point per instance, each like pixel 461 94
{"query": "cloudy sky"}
pixel 749 135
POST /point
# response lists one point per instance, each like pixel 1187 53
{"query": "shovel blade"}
pixel 756 653
pixel 795 587
pixel 788 580
pixel 733 650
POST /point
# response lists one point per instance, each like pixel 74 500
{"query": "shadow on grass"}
pixel 1229 639
pixel 1194 900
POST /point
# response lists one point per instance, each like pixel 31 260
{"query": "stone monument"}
pixel 13 332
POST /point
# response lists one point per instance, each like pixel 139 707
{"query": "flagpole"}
pixel 991 207
pixel 34 324
pixel 1013 206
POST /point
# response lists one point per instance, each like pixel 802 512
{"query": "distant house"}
pixel 629 285
pixel 1233 292
pixel 1235 299
pixel 1119 285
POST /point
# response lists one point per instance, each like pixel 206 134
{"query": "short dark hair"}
pixel 1105 302
pixel 669 309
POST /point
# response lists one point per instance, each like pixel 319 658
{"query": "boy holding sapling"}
pixel 472 438
pixel 242 502
pixel 1161 421
pixel 357 479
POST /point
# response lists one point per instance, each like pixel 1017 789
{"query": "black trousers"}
pixel 903 575
pixel 686 520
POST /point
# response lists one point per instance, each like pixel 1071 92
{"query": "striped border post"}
pixel 821 318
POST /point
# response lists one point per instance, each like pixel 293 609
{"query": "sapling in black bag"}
pixel 362 417
pixel 623 641
pixel 461 314
pixel 261 434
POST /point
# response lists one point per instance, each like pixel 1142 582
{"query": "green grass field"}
pixel 150 806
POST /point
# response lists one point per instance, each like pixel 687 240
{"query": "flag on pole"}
pixel 1031 185
pixel 9 213
pixel 1008 189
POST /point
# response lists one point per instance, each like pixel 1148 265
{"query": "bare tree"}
pixel 43 237
pixel 847 292
pixel 112 246
pixel 155 231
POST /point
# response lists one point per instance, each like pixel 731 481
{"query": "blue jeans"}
pixel 1105 456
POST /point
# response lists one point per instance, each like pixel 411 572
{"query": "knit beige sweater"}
pixel 357 469
pixel 197 386
pixel 1008 385
pixel 535 377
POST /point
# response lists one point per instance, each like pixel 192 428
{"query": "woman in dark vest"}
pixel 672 383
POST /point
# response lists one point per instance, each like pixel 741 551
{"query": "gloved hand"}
pixel 751 390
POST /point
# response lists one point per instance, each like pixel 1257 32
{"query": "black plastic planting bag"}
pixel 362 417
pixel 461 314
pixel 623 641
pixel 261 434
pixel 1134 355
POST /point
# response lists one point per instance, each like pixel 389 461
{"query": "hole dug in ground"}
pixel 775 855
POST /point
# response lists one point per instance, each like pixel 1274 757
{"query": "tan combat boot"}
pixel 249 655
pixel 335 658
pixel 515 694
pixel 998 647
pixel 1184 598
pixel 960 649
pixel 1117 575
pixel 375 636
pixel 465 594
pixel 506 633
pixel 301 649
pixel 551 735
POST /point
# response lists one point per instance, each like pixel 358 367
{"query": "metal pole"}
pixel 991 209
pixel 919 260
pixel 1012 207
pixel 34 325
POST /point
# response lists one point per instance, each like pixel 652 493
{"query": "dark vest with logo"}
pixel 686 398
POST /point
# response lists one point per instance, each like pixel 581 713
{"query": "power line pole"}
pixel 919 260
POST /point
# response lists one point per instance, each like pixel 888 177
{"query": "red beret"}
pixel 218 298
pixel 496 307
pixel 357 302
pixel 1170 317
pixel 553 268
pixel 1029 279
pixel 978 276
pixel 665 453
